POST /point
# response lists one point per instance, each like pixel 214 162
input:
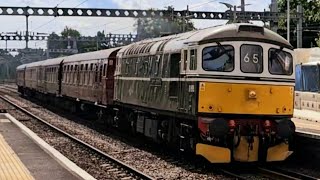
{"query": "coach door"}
pixel 98 80
pixel 110 76
pixel 60 76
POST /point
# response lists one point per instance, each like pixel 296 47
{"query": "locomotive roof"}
pixel 173 43
pixel 230 32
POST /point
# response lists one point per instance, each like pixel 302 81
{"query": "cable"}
pixel 89 28
pixel 55 17
pixel 120 29
pixel 167 3
pixel 44 24
pixel 60 2
pixel 80 3
pixel 199 5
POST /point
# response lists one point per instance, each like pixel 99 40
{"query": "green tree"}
pixel 155 27
pixel 87 46
pixel 311 11
pixel 71 35
pixel 54 41
pixel 70 32
pixel 101 34
pixel 311 14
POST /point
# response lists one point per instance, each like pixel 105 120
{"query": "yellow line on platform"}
pixel 11 167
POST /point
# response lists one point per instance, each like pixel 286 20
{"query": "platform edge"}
pixel 61 159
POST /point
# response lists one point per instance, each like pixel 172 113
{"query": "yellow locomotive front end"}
pixel 245 98
pixel 255 120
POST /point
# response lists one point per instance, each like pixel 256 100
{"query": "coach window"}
pixel 218 58
pixel 193 59
pixel 76 78
pixel 71 77
pixel 96 69
pixel 69 74
pixel 81 77
pixel 100 73
pixel 48 74
pixel 54 74
pixel 64 74
pixel 91 74
pixel 104 69
pixel 251 58
pixel 51 74
pixel 86 74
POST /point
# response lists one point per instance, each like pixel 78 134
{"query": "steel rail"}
pixel 284 174
pixel 136 173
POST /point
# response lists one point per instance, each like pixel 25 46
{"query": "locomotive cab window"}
pixel 280 62
pixel 251 58
pixel 218 58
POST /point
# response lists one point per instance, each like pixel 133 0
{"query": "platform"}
pixel 21 158
pixel 307 123
pixel 307 115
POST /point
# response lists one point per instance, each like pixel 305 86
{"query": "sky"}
pixel 88 26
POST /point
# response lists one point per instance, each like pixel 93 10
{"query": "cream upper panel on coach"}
pixel 95 55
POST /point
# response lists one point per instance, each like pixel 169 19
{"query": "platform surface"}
pixel 307 115
pixel 10 165
pixel 307 123
pixel 21 158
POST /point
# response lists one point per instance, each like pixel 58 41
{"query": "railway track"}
pixel 265 173
pixel 9 88
pixel 253 173
pixel 119 169
pixel 276 173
